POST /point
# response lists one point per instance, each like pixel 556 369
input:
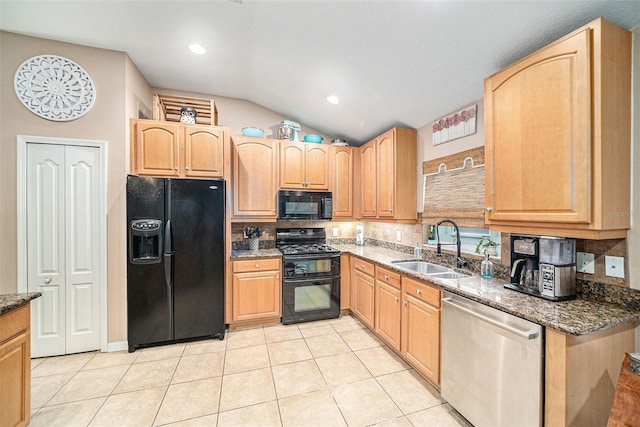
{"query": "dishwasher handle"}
pixel 529 335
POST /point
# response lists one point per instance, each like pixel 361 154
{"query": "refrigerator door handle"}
pixel 168 254
pixel 168 248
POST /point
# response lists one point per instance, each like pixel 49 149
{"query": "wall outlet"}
pixel 614 266
pixel 335 231
pixel 399 236
pixel 586 263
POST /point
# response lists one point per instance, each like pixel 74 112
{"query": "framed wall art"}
pixel 456 125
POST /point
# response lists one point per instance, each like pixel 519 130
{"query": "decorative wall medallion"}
pixel 54 88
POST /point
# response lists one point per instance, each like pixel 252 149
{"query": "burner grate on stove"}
pixel 307 248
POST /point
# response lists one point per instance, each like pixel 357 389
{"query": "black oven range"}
pixel 311 275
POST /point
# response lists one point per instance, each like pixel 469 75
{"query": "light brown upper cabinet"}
pixel 304 166
pixel 255 178
pixel 558 138
pixel 388 176
pixel 342 182
pixel 167 149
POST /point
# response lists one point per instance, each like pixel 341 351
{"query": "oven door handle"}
pixel 310 257
pixel 313 279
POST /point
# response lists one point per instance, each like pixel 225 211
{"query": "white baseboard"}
pixel 117 346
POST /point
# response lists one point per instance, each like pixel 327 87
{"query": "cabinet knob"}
pixel 371 285
pixel 386 277
pixel 362 266
pixel 186 168
pixel 396 299
pixel 257 265
pixel 488 209
pixel 373 210
pixel 47 280
pixel 404 303
pixel 175 168
pixel 418 291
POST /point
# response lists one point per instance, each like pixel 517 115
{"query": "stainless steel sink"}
pixel 423 267
pixel 449 275
pixel 429 269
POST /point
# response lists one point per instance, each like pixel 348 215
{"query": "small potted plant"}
pixel 252 234
pixel 487 246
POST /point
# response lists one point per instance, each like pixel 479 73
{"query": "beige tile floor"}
pixel 328 373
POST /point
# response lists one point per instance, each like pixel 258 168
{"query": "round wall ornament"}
pixel 54 88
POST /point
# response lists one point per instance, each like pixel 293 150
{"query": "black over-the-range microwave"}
pixel 305 205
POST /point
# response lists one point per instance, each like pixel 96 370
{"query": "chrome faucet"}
pixel 460 262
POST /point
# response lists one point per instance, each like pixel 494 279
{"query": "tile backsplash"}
pixel 387 234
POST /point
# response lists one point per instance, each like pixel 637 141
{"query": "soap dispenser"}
pixel 486 267
pixel 417 251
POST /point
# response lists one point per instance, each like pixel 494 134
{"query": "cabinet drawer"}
pixel 388 276
pixel 256 264
pixel 364 266
pixel 427 293
pixel 14 322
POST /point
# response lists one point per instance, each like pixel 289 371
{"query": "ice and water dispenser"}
pixel 145 241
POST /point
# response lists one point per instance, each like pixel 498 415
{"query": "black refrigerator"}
pixel 175 254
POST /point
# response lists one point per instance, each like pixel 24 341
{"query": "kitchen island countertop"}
pixel 575 317
pixel 10 302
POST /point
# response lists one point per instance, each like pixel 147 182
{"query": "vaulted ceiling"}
pixel 389 62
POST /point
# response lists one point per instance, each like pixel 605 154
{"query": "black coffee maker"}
pixel 525 258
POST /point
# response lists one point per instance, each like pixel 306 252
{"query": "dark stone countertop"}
pixel 260 253
pixel 10 302
pixel 576 317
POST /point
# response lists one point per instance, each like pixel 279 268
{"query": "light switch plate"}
pixel 614 266
pixel 334 231
pixel 586 263
pixel 399 236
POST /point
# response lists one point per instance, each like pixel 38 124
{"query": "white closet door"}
pixel 46 247
pixel 82 195
pixel 63 186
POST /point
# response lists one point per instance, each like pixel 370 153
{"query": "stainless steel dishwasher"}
pixel 492 364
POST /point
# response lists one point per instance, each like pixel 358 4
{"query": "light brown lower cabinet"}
pixel 362 290
pixel 15 367
pixel 257 289
pixel 581 373
pixel 420 325
pixel 388 307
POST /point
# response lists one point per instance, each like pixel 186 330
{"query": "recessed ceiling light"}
pixel 197 49
pixel 332 99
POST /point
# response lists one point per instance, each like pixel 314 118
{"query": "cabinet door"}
pixel 388 313
pixel 363 297
pixel 292 165
pixel 204 152
pixel 15 367
pixel 156 148
pixel 420 341
pixel 386 175
pixel 256 295
pixel 538 150
pixel 255 178
pixel 343 182
pixel 317 167
pixel 368 181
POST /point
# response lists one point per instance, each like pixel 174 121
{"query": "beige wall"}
pixel 428 151
pixel 633 240
pixel 106 121
pixel 239 113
